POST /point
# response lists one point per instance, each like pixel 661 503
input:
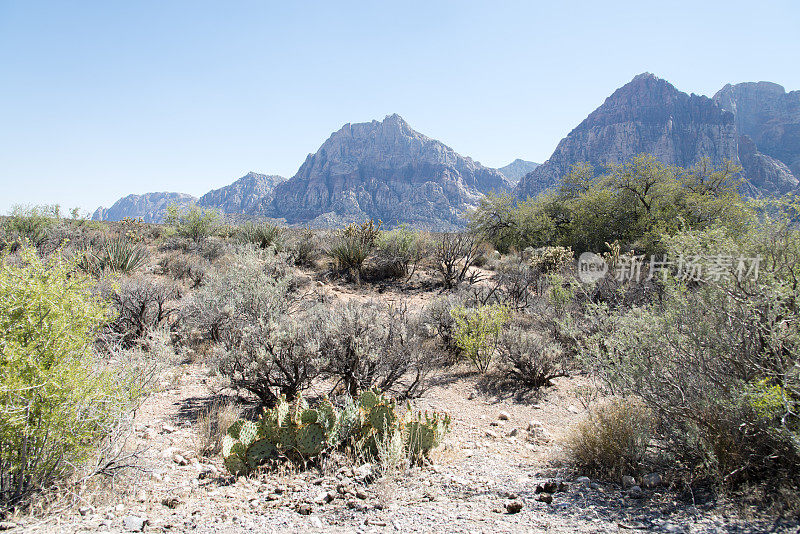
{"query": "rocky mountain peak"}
pixel 385 170
pixel 646 115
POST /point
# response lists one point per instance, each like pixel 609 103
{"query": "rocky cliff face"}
pixel 770 117
pixel 243 195
pixel 518 168
pixel 384 170
pixel 152 207
pixel 646 115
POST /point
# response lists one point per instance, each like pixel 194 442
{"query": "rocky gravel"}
pixel 497 472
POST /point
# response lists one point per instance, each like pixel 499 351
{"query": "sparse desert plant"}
pixel 117 255
pixel 455 255
pixel 57 402
pixel 437 321
pixel 140 305
pixel 303 248
pixel 274 356
pixel 353 245
pixel 528 359
pixel 612 440
pixel 372 345
pixel 399 251
pixel 211 426
pixel 477 332
pixel 184 266
pixel 263 235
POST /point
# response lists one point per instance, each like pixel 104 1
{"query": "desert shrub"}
pixel 635 203
pixel 182 266
pixel 211 426
pixel 263 235
pixel 454 256
pixel 716 359
pixel 399 251
pixel 272 356
pixel 436 320
pixel 547 260
pixel 115 255
pixel 353 245
pixel 477 332
pixel 56 402
pixel 303 248
pixel 612 440
pixel 250 286
pixel 29 224
pixel 193 223
pixel 140 306
pixel 372 345
pixel 530 359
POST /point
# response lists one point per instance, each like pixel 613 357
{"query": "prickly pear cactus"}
pixel 423 435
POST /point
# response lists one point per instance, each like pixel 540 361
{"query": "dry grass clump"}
pixel 612 440
pixel 211 426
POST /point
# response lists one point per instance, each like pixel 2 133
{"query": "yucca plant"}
pixel 122 256
pixel 117 255
pixel 353 245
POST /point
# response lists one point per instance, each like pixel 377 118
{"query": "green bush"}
pixel 477 332
pixel 716 360
pixel 263 235
pixel 353 245
pixel 30 224
pixel 399 251
pixel 194 223
pixel 634 203
pixel 55 403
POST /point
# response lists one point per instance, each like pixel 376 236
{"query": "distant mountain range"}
pixel 518 168
pixel 756 125
pixel 388 171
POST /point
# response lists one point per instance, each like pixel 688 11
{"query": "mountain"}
pixel 152 207
pixel 518 168
pixel 648 115
pixel 768 123
pixel 243 195
pixel 383 170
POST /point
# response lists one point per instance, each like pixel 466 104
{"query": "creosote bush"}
pixel 399 252
pixel 529 359
pixel 57 402
pixel 194 223
pixel 477 332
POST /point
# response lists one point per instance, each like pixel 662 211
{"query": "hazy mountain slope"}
pixel 152 207
pixel 243 195
pixel 518 168
pixel 384 170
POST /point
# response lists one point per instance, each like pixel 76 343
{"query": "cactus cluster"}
pixel 289 429
pixel 296 431
pixel 380 418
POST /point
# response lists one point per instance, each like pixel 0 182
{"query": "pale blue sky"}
pixel 105 98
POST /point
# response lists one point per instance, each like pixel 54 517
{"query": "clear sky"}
pixel 99 99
